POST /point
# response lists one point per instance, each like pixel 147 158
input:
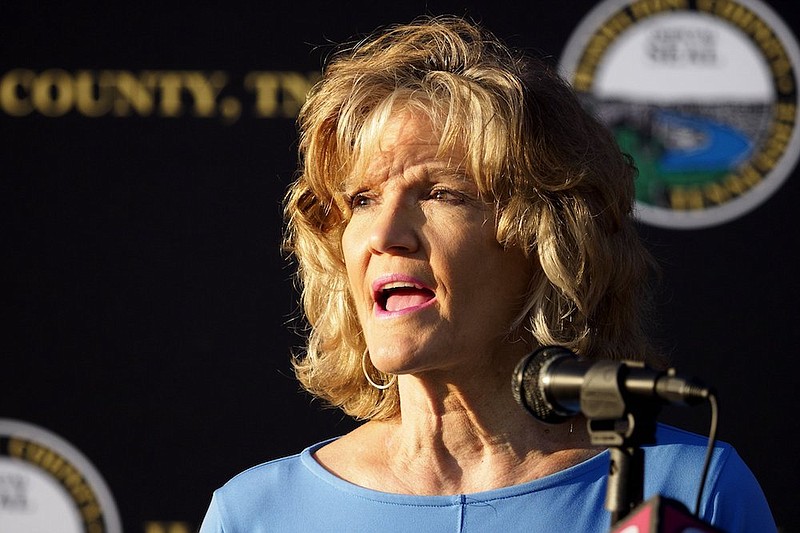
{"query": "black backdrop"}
pixel 147 309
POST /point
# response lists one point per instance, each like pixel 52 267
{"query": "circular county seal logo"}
pixel 46 485
pixel 701 93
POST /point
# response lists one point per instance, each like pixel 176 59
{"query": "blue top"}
pixel 297 494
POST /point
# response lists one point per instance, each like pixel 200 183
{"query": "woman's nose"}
pixel 394 229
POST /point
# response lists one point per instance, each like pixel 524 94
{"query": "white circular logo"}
pixel 702 94
pixel 46 485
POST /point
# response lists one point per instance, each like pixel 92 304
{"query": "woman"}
pixel 456 209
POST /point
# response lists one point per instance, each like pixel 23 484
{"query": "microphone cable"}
pixel 712 440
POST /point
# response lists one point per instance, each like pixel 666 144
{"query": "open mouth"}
pixel 402 295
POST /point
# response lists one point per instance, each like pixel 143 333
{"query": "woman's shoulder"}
pixel 675 446
pixel 674 466
pixel 266 493
pixel 272 475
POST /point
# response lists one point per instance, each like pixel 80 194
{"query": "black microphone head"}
pixel 526 383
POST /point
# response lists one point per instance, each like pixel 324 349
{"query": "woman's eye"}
pixel 358 199
pixel 446 195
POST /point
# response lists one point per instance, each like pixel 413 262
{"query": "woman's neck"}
pixel 455 438
pixel 467 441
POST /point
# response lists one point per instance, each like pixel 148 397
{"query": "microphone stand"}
pixel 623 426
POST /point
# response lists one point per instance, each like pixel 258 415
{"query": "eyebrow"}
pixel 426 171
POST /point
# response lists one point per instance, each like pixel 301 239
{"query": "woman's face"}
pixel 432 286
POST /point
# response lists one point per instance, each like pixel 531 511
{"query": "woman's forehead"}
pixel 404 139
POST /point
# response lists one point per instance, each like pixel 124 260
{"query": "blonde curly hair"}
pixel 563 190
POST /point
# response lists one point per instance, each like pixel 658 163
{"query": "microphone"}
pixel 554 384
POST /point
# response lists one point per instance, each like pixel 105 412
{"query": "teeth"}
pixel 400 285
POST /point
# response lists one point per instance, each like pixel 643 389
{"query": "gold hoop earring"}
pixel 369 379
